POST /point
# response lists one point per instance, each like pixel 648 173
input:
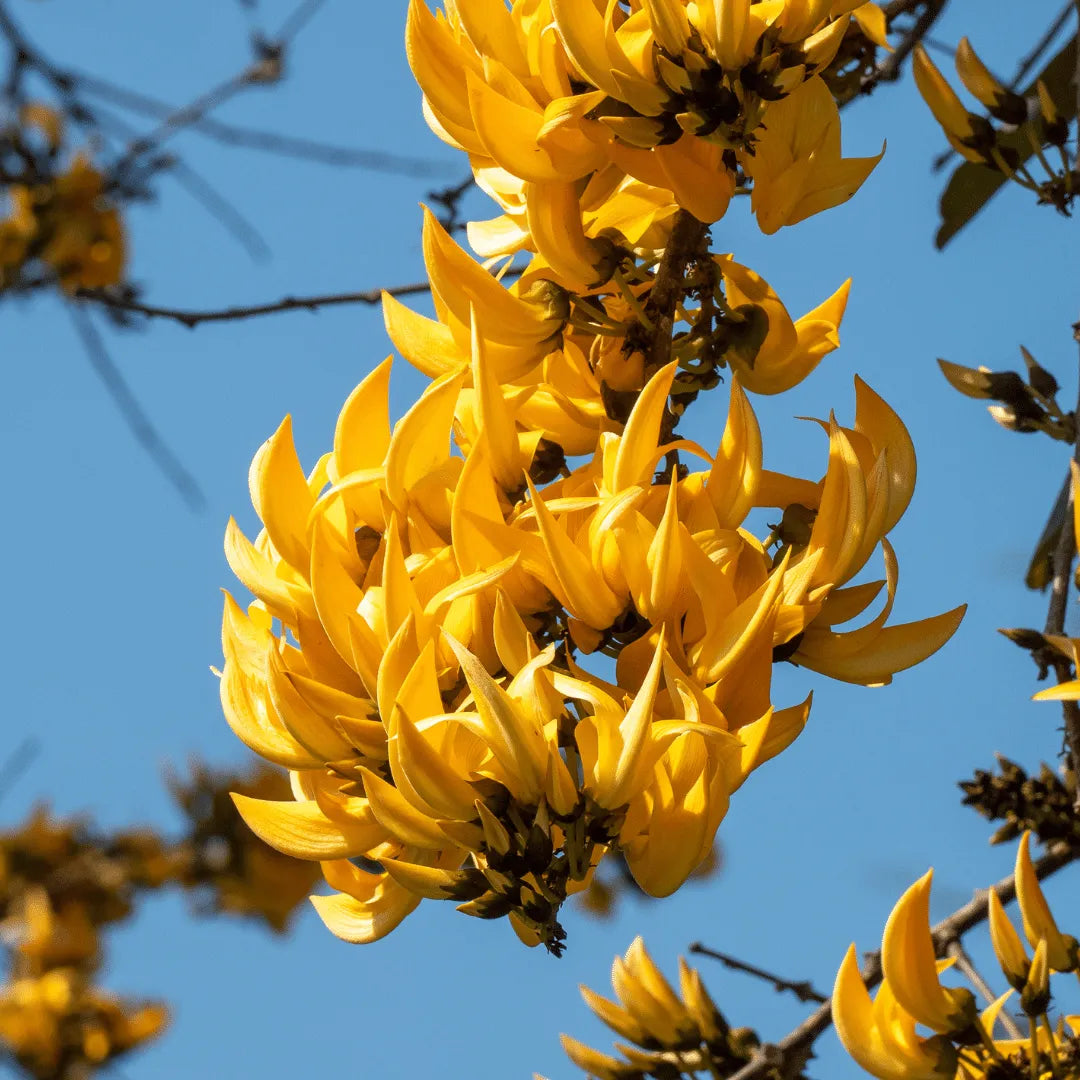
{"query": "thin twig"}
pixel 889 69
pixel 966 966
pixel 268 141
pixel 139 423
pixel 299 18
pixel 795 1046
pixel 18 761
pixel 223 211
pixel 1032 58
pixel 803 990
pixel 192 319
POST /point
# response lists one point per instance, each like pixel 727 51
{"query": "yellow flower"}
pixel 798 168
pixel 959 125
pixel 881 1036
pixel 791 350
pixel 1039 925
pixel 907 958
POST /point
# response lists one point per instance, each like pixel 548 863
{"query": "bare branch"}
pixel 192 319
pixel 300 17
pixel 120 303
pixel 17 762
pixel 140 424
pixel 795 1046
pixel 267 141
pixel 889 69
pixel 804 990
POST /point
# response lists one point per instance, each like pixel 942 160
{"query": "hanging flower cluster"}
pixel 427 595
pixel 881 1034
pixel 60 219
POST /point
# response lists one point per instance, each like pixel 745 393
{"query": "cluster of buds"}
pixel 1016 130
pixel 674 1034
pixel 1040 804
pixel 1024 405
pixel 881 1035
pixel 428 595
pixel 62 226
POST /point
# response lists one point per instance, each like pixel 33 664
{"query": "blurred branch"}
pixel 794 1049
pixel 267 141
pixel 889 69
pixel 136 419
pixel 300 17
pixel 966 966
pixel 804 990
pixel 18 761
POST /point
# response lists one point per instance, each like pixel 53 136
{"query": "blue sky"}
pixel 114 608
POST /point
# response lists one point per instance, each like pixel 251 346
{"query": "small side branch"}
pixel 795 1048
pixel 889 69
pixel 804 990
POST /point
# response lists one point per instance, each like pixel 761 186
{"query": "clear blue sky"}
pixel 112 583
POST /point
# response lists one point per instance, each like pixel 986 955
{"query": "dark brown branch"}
pixel 889 69
pixel 804 990
pixel 684 245
pixel 192 319
pixel 1062 565
pixel 120 303
pixel 794 1050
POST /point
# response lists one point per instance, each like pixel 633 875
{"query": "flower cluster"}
pixel 621 114
pixel 881 1034
pixel 426 596
pixel 60 219
pixel 674 1034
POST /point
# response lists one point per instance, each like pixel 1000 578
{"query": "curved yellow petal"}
pixel 302 830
